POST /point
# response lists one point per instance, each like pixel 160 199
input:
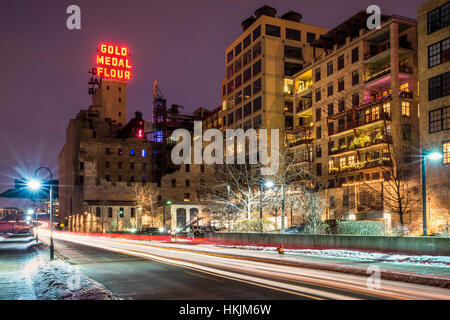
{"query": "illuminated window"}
pixel 330 164
pixel 446 151
pixel 406 109
pixel 131 152
pixel 342 162
pixel 351 160
pixel 387 108
pixel 144 153
pixel 404 87
pixel 387 92
pixel 375 113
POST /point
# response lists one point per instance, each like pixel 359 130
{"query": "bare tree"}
pixel 396 190
pixel 146 197
pixel 312 203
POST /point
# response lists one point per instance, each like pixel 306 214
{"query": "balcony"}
pixel 363 165
pixel 299 136
pixel 358 119
pixel 360 142
pixel 303 107
pixel 385 71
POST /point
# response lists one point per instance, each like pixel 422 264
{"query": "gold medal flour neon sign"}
pixel 113 62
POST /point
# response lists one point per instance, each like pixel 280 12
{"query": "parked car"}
pixel 296 229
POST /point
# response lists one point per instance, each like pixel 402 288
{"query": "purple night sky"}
pixel 181 43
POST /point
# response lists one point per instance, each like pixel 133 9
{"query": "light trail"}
pixel 284 278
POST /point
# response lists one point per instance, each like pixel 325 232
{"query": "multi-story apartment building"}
pixel 434 81
pixel 259 64
pixel 354 105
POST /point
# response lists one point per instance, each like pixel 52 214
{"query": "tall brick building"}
pixel 434 82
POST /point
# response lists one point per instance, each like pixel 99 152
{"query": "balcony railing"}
pixel 363 141
pixel 361 166
pixel 363 120
pixel 303 107
pixel 385 71
pixel 301 135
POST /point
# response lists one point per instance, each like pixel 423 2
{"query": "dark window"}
pixel 256 50
pixel 407 132
pixel 319 169
pixel 247 57
pixel 188 168
pixel 230 118
pixel 340 62
pixel 247 74
pixel 238 114
pixel 110 212
pixel 230 87
pixel 317 73
pixel 318 132
pixel 318 114
pixel 224 90
pixel 439 53
pixel 256 68
pixel 273 30
pixel 247 41
pixel 257 121
pixel 318 151
pixel 257 86
pixel 247 92
pixel 119 164
pixel 94 134
pixel 202 168
pixel 237 49
pixel 439 119
pixel 131 178
pixel 188 183
pixel 132 212
pixel 131 165
pixel 293 52
pixel 355 55
pixel 289 122
pixel 229 56
pixel 230 71
pixel 355 77
pixel 238 98
pixel 119 178
pixel 355 99
pixel 174 183
pixel 247 109
pixel 256 33
pixel 237 65
pixel 341 83
pixel 318 94
pixel 107 151
pixel 439 86
pixel 119 151
pixel 341 105
pixel 291 68
pixel 330 89
pixel 330 109
pixel 310 37
pixel 238 81
pixel 81 165
pixel 345 200
pixel 107 164
pixel 81 179
pixel 257 104
pixel 187 196
pixel 439 18
pixel 329 68
pixel 293 34
pixel 98 212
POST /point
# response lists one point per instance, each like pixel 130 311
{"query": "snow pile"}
pixel 438 261
pixel 57 280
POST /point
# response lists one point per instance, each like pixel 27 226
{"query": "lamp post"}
pixel 432 155
pixel 263 184
pixel 35 184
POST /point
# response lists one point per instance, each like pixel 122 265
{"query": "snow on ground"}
pixel 438 261
pixel 58 280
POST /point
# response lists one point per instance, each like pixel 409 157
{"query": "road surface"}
pixel 147 270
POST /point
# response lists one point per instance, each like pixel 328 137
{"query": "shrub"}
pixel 400 231
pixel 365 228
pixel 254 225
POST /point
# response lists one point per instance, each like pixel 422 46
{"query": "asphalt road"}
pixel 142 270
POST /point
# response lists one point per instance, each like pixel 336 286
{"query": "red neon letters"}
pixel 113 63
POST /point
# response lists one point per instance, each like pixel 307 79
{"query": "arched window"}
pixel 193 213
pixel 181 217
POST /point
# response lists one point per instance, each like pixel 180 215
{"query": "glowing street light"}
pixel 30 211
pixel 268 184
pixel 35 185
pixel 434 156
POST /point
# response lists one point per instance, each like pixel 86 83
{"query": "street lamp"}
pixel 263 184
pixel 434 156
pixel 35 184
pixel 168 202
